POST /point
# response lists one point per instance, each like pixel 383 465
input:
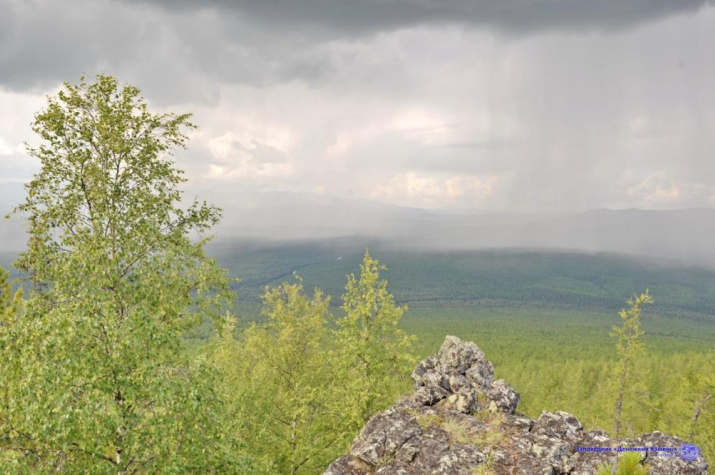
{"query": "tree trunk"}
pixel 293 445
pixel 696 414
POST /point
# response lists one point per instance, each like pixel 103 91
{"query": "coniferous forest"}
pixel 127 347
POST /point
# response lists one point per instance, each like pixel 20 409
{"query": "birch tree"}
pixel 95 376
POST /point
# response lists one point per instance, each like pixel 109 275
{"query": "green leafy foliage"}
pixel 699 387
pixel 553 346
pixel 9 301
pixel 377 354
pixel 629 345
pixel 302 384
pixel 279 383
pixel 95 376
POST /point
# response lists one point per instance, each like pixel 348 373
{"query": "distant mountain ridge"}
pixel 680 236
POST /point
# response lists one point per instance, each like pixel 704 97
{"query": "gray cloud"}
pixel 172 47
pixel 43 41
pixel 339 17
pixel 174 56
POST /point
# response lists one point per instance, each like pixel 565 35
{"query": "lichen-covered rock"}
pixel 465 402
pixel 673 463
pixel 587 462
pixel 503 397
pixel 460 420
pixel 349 464
pixel 384 435
pixel 443 458
pixel 559 424
pixel 460 355
pixel 458 366
pixel 430 395
pixel 519 422
pixel 555 451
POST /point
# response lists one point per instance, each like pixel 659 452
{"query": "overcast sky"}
pixel 509 105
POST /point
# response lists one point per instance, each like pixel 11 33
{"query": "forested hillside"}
pixel 543 317
pixel 512 278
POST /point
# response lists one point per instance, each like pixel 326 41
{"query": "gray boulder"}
pixel 460 421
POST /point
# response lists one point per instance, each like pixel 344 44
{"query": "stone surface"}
pixel 460 420
pixel 503 397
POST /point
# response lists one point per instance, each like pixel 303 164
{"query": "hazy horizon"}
pixel 681 237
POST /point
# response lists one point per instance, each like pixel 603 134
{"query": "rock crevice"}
pixel 461 421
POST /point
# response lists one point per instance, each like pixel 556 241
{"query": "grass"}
pixel 486 468
pixel 429 420
pixel 493 435
pixel 628 464
pixel 460 432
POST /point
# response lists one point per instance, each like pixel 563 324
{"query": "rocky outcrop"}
pixel 461 421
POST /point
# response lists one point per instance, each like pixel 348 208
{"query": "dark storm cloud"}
pixel 44 41
pixel 179 56
pixel 180 48
pixel 518 16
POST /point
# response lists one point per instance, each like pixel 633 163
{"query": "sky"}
pixel 521 106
